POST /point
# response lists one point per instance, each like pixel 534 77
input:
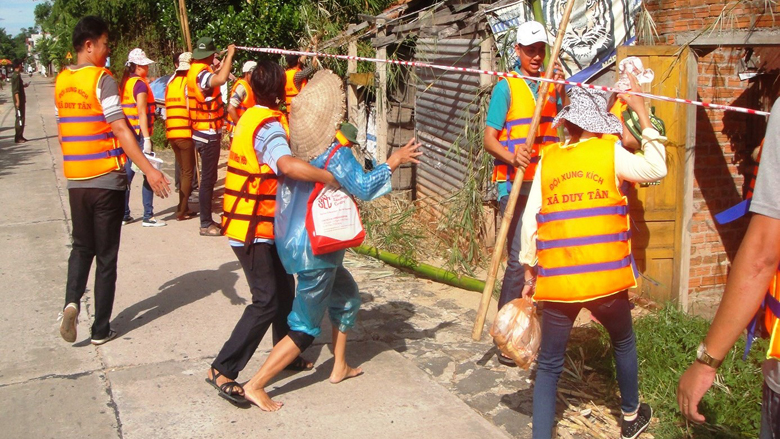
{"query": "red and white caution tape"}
pixel 506 75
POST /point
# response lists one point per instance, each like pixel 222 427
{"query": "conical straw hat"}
pixel 316 113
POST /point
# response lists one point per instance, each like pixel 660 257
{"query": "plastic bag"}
pixel 333 220
pixel 517 332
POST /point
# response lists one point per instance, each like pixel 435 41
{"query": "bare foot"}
pixel 261 399
pixel 340 374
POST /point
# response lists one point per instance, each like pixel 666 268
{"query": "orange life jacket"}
pixel 250 187
pixel 771 320
pixel 89 148
pixel 248 102
pixel 206 112
pixel 518 120
pixel 290 90
pixel 177 115
pixel 130 108
pixel 583 242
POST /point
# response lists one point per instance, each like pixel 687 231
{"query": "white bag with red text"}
pixel 333 220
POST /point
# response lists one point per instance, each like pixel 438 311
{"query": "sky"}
pixel 17 14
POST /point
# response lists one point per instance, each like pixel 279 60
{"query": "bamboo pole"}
pixel 490 282
pixel 424 270
pixel 185 24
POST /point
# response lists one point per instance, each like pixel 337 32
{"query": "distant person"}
pixel 755 268
pixel 207 116
pixel 241 96
pixel 297 75
pixel 139 108
pixel 20 102
pixel 259 154
pixel 96 142
pixel 178 130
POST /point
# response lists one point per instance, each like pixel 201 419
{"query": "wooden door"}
pixel 657 211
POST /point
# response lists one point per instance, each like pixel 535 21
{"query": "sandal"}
pixel 228 390
pixel 186 216
pixel 212 230
pixel 300 364
pixel 506 361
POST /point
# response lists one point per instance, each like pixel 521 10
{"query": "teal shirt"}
pixel 500 100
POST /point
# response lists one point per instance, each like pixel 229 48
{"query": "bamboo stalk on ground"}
pixel 490 282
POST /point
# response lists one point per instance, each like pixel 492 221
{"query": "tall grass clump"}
pixel 666 346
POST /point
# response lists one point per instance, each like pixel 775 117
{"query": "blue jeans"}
pixel 147 194
pixel 512 285
pixel 209 160
pixel 614 312
pixel 770 414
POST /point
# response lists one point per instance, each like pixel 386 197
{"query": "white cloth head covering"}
pixel 138 57
pixel 184 61
pixel 588 110
pixel 248 66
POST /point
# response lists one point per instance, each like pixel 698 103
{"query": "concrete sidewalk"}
pixel 178 297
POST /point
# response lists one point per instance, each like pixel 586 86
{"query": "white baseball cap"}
pixel 248 66
pixel 531 32
pixel 138 57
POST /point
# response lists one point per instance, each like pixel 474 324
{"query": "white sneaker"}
pixel 153 222
pixel 69 319
pixel 111 335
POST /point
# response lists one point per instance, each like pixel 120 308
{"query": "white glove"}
pixel 147 145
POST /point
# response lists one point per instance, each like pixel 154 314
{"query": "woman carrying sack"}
pixel 576 241
pixel 323 282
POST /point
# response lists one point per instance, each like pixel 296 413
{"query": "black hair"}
pixel 128 72
pixel 88 28
pixel 267 82
pixel 176 56
pixel 292 60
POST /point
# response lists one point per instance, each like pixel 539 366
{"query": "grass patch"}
pixel 666 345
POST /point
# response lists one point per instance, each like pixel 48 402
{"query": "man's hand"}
pixel 405 154
pixel 693 384
pixel 231 50
pixel 160 185
pixel 522 157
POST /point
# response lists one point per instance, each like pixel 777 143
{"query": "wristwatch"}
pixel 703 357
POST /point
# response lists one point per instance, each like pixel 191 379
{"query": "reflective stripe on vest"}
pixel 130 108
pixel 177 116
pixel 518 121
pixel 206 112
pixel 290 90
pixel 742 208
pixel 247 102
pixel 250 187
pixel 583 236
pixel 89 148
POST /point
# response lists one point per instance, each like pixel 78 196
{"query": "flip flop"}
pixel 299 364
pixel 227 390
pixel 506 361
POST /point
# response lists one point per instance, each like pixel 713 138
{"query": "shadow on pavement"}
pixel 13 155
pixel 179 292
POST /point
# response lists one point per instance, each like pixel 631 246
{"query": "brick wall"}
pixel 724 140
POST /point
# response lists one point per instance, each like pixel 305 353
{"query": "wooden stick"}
pixel 185 24
pixel 490 282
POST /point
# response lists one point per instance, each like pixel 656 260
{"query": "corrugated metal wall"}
pixel 445 102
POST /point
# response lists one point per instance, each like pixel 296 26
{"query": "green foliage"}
pixel 666 345
pixel 14 48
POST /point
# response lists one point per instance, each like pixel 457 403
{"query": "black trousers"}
pixel 273 291
pixel 20 121
pixel 97 224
